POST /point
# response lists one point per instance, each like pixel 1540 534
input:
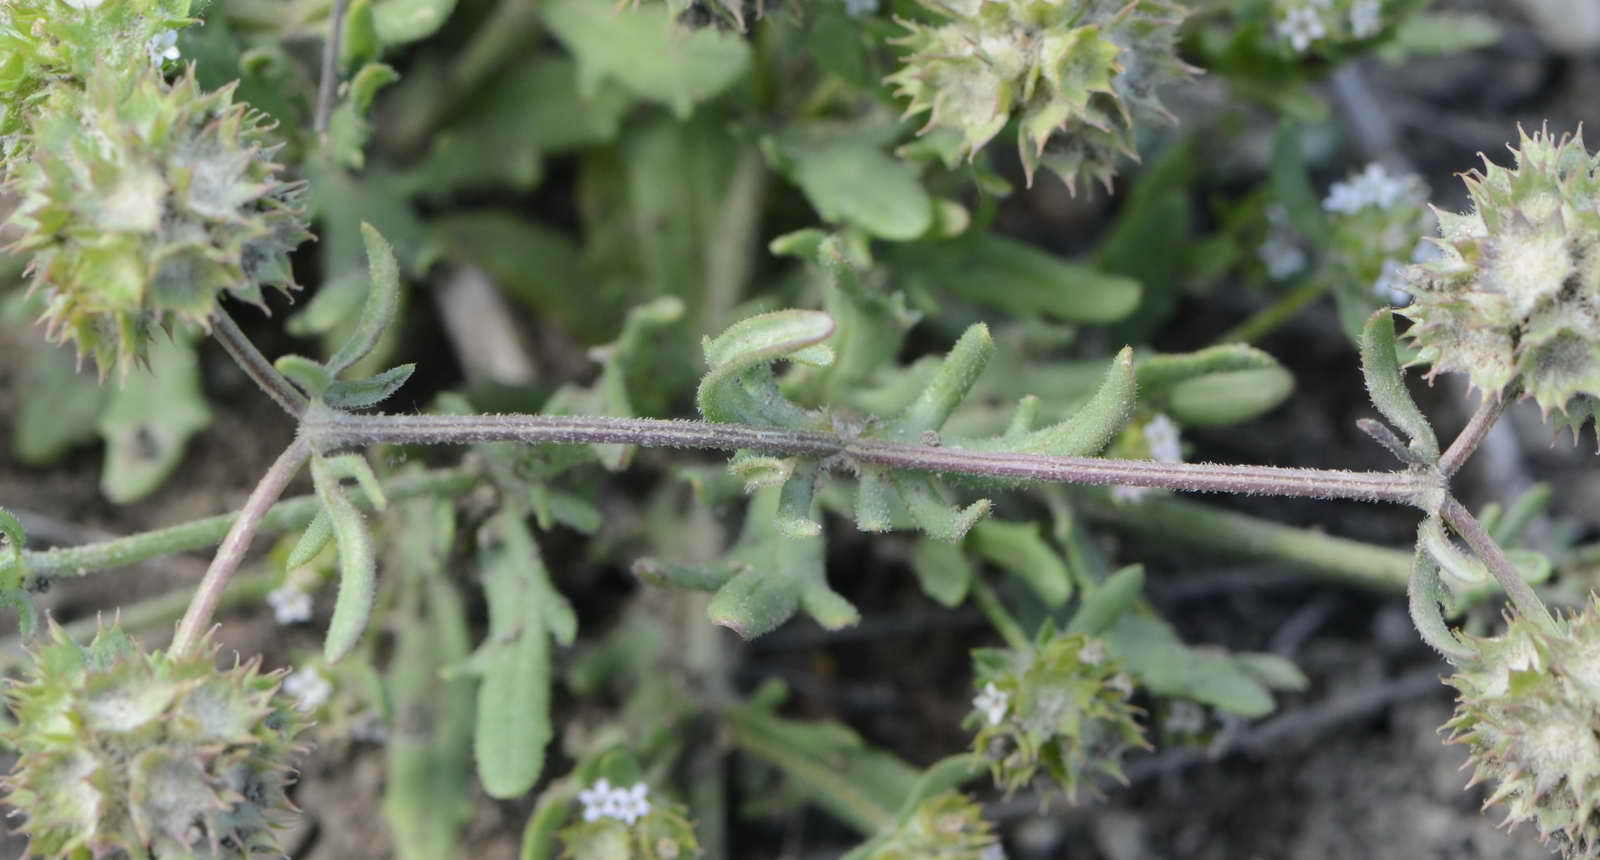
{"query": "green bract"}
pixel 144 200
pixel 1079 74
pixel 1062 704
pixel 146 755
pixel 1515 296
pixel 948 826
pixel 46 44
pixel 1529 711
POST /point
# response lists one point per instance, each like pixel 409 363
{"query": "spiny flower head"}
pixel 948 826
pixel 128 754
pixel 1061 704
pixel 142 201
pixel 45 44
pixel 627 824
pixel 1514 296
pixel 1529 712
pixel 1080 75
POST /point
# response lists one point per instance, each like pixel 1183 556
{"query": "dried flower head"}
pixel 1515 294
pixel 129 754
pixel 1529 711
pixel 1066 709
pixel 144 200
pixel 1080 76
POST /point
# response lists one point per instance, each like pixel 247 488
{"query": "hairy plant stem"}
pixel 329 84
pixel 329 430
pixel 197 620
pixel 256 365
pixel 1521 593
pixel 46 565
pixel 1477 429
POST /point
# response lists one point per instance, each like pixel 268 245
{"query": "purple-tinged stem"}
pixel 197 619
pixel 332 430
pixel 1477 429
pixel 255 365
pixel 1521 593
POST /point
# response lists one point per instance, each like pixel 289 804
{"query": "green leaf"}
pixel 514 713
pixel 942 570
pixel 950 384
pixel 854 182
pixel 1220 399
pixel 358 564
pixel 383 301
pixel 1020 549
pixel 1089 429
pixel 1105 604
pixel 308 374
pixel 1442 32
pixel 149 421
pixel 360 43
pixel 312 541
pixel 739 387
pixel 361 393
pixel 933 515
pixel 550 814
pixel 1387 388
pixel 1291 183
pixel 501 135
pixel 402 21
pixel 646 52
pixel 995 271
pixel 59 407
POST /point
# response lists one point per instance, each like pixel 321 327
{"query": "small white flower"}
pixel 1371 187
pixel 162 46
pixel 1282 256
pixel 1366 18
pixel 1301 27
pixel 859 8
pixel 309 688
pixel 993 703
pixel 631 803
pixel 83 5
pixel 1162 435
pixel 1391 284
pixel 596 799
pixel 289 604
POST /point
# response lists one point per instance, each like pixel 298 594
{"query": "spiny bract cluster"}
pixel 1515 294
pixel 50 44
pixel 1529 711
pixel 142 201
pixel 126 754
pixel 1061 704
pixel 1080 74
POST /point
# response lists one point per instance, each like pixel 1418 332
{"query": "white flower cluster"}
pixel 290 604
pixel 993 703
pixel 1304 22
pixel 860 8
pixel 627 805
pixel 309 688
pixel 1371 187
pixel 1300 27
